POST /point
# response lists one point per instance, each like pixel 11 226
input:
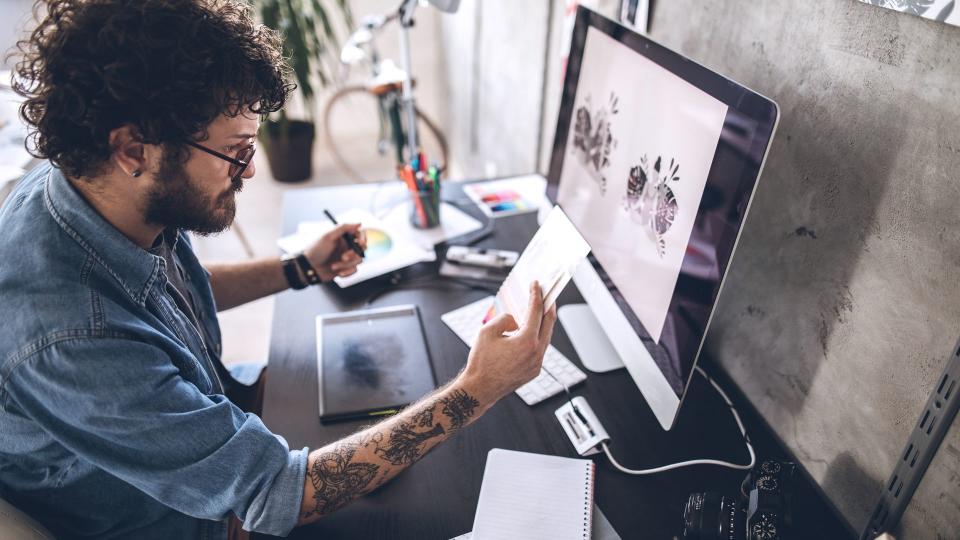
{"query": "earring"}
pixel 136 173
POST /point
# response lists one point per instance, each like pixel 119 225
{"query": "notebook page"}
pixel 535 497
pixel 601 530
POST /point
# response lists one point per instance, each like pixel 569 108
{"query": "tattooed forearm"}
pixel 370 458
pixel 336 480
pixel 459 407
pixel 383 479
pixel 407 441
pixel 424 418
pixel 406 444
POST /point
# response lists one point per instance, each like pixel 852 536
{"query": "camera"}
pixel 761 511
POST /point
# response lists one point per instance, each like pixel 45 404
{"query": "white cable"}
pixel 743 431
pixel 554 377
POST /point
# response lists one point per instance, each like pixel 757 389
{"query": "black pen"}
pixel 346 236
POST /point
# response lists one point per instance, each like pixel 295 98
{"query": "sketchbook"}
pixel 535 497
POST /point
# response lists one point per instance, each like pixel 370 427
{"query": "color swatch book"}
pixel 509 196
pixel 534 497
pixel 550 258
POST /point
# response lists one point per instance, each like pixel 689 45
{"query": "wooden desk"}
pixel 436 498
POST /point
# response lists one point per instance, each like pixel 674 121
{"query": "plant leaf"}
pixel 310 46
pixel 347 13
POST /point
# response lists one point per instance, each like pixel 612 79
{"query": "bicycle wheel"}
pixel 359 135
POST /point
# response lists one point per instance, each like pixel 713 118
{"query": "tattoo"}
pixel 424 418
pixel 336 481
pixel 459 407
pixel 406 445
pixel 374 440
pixel 407 441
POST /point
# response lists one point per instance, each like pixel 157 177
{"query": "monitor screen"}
pixel 655 161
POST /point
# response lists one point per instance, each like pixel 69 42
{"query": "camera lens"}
pixel 768 484
pixel 699 506
pixel 710 516
pixel 765 528
pixel 770 467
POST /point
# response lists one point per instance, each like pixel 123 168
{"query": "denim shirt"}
pixel 113 423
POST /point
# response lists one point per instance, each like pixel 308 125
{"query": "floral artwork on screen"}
pixel 593 139
pixel 651 201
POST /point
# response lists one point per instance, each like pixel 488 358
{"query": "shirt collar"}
pixel 132 266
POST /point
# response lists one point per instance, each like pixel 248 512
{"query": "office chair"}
pixel 15 525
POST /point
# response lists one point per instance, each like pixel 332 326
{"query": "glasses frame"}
pixel 252 147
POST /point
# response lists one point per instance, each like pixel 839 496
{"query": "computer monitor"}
pixel 655 161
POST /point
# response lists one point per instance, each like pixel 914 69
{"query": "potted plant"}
pixel 310 44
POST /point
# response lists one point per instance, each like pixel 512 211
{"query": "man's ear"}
pixel 129 152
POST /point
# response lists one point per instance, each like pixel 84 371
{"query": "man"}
pixel 113 417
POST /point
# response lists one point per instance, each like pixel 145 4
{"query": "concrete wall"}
pixel 844 298
pixel 494 51
pixel 16 13
pixel 844 302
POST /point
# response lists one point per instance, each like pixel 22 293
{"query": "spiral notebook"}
pixel 535 497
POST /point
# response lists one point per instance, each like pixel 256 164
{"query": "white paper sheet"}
pixel 453 222
pixel 550 258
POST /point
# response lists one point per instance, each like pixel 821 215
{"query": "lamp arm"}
pixel 406 21
pixel 407 7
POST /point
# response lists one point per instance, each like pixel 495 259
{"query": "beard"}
pixel 176 201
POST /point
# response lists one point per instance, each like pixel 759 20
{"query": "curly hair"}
pixel 167 67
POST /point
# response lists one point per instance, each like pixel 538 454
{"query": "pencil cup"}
pixel 425 210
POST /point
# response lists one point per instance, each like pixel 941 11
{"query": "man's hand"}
pixel 498 363
pixel 234 284
pixel 344 470
pixel 330 255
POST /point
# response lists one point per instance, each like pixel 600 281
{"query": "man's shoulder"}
pixel 27 183
pixel 53 290
pixel 31 238
pixel 43 271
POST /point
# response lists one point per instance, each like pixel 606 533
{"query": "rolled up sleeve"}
pixel 123 406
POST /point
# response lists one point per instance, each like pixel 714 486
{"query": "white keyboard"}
pixel 466 322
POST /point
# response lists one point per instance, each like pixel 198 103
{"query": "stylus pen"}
pixel 383 412
pixel 346 236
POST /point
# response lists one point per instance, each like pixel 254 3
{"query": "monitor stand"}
pixel 588 338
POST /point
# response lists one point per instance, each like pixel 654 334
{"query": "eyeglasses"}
pixel 237 164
